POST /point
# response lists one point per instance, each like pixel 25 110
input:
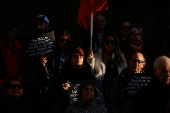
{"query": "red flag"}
pixel 86 8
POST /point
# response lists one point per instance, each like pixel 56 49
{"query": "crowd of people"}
pixel 41 84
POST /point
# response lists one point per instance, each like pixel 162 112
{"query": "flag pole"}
pixel 91 31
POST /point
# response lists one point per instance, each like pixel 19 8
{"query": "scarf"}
pixel 136 48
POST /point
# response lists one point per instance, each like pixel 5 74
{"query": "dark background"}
pixel 152 15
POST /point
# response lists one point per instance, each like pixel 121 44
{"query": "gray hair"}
pixel 131 28
pixel 161 59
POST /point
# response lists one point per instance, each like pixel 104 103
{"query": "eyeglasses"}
pixel 87 89
pixel 124 27
pixel 13 86
pixel 113 42
pixel 62 40
pixel 98 21
pixel 135 34
pixel 78 56
pixel 139 61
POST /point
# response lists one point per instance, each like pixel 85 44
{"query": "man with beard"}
pixel 41 24
pixel 44 81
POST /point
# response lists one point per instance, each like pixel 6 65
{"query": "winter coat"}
pixel 68 73
pixel 12 105
pixel 98 66
pixel 92 107
pixel 14 59
pixel 117 101
pixel 152 99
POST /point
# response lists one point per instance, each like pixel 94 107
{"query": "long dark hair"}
pixel 59 33
pixel 118 58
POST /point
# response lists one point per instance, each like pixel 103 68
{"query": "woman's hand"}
pixel 43 61
pixel 90 53
pixel 65 86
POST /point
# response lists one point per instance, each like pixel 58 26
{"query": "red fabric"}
pixel 128 51
pixel 76 51
pixel 86 8
pixel 14 60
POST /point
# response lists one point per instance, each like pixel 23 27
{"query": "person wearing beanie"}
pixel 75 68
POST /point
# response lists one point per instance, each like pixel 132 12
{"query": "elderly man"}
pixel 117 101
pixel 154 98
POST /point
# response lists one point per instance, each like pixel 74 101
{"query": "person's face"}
pixel 15 91
pixel 41 26
pixel 77 60
pixel 136 63
pixel 63 42
pixel 163 72
pixel 12 33
pixel 124 26
pixel 135 37
pixel 99 22
pixel 110 44
pixel 88 92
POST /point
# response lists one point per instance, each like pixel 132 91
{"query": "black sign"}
pixel 40 45
pixel 135 82
pixel 72 91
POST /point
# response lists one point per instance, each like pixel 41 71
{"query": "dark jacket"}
pixel 92 107
pixel 117 101
pixel 45 90
pixel 86 41
pixel 12 105
pixel 68 73
pixel 153 98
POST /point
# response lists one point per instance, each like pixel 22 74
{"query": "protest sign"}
pixel 40 45
pixel 135 82
pixel 72 91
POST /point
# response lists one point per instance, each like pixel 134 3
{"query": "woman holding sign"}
pixel 107 62
pixel 76 69
pixel 51 67
pixel 87 100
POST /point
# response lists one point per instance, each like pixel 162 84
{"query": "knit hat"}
pixel 76 51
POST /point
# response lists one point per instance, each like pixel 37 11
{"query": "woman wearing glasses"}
pixel 108 62
pixel 122 27
pixel 16 101
pixel 47 82
pixel 75 68
pixel 87 100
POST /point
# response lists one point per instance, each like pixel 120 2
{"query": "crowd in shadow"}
pixel 40 84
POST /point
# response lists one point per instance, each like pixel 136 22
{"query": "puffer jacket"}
pixel 92 107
